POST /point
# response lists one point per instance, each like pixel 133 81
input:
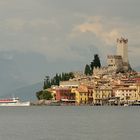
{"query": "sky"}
pixel 42 37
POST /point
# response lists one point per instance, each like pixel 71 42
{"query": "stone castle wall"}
pixel 118 62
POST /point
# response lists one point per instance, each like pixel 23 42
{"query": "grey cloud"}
pixel 38 33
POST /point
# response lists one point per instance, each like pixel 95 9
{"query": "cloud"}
pixel 28 34
pixel 43 22
pixel 20 24
pixel 46 35
pixel 15 24
pixel 94 25
pixel 5 2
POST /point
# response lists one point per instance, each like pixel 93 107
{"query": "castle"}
pixel 116 63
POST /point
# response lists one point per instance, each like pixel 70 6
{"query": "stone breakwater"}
pixel 56 103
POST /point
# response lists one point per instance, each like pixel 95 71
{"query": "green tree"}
pixel 62 76
pixel 57 79
pixel 38 94
pixel 87 70
pixel 66 76
pixel 44 94
pixel 96 62
pixel 71 75
pixel 47 83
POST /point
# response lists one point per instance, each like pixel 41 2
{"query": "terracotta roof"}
pixel 82 89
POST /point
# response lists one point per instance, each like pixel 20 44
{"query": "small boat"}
pixel 137 103
pixel 13 102
pixel 126 105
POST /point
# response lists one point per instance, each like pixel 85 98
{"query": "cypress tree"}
pixel 87 70
pixel 47 83
pixel 96 62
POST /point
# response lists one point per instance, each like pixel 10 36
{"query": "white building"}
pixel 70 84
pixel 126 94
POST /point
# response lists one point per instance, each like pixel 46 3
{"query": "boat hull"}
pixel 16 104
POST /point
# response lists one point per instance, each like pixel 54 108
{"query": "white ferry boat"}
pixel 13 102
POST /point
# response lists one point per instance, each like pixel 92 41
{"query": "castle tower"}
pixel 122 49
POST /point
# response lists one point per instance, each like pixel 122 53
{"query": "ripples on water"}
pixel 69 123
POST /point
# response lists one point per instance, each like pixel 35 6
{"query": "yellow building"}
pixel 138 91
pixel 84 94
pixel 101 95
pixel 127 94
pixel 81 95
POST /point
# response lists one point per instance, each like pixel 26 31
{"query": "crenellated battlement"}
pixel 118 62
pixel 122 40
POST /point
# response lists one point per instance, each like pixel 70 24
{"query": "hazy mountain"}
pixel 25 93
pixel 19 70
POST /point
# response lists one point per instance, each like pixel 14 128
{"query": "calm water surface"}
pixel 70 123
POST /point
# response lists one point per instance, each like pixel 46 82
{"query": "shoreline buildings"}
pixel 114 84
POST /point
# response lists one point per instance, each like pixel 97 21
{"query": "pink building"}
pixel 65 94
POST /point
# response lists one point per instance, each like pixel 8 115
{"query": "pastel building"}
pixel 84 94
pixel 65 95
pixel 138 91
pixel 81 95
pixel 126 94
pixel 69 84
pixel 101 96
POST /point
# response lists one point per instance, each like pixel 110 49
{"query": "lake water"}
pixel 69 123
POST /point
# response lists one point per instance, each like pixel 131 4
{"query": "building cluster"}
pixel 115 84
pixel 119 89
